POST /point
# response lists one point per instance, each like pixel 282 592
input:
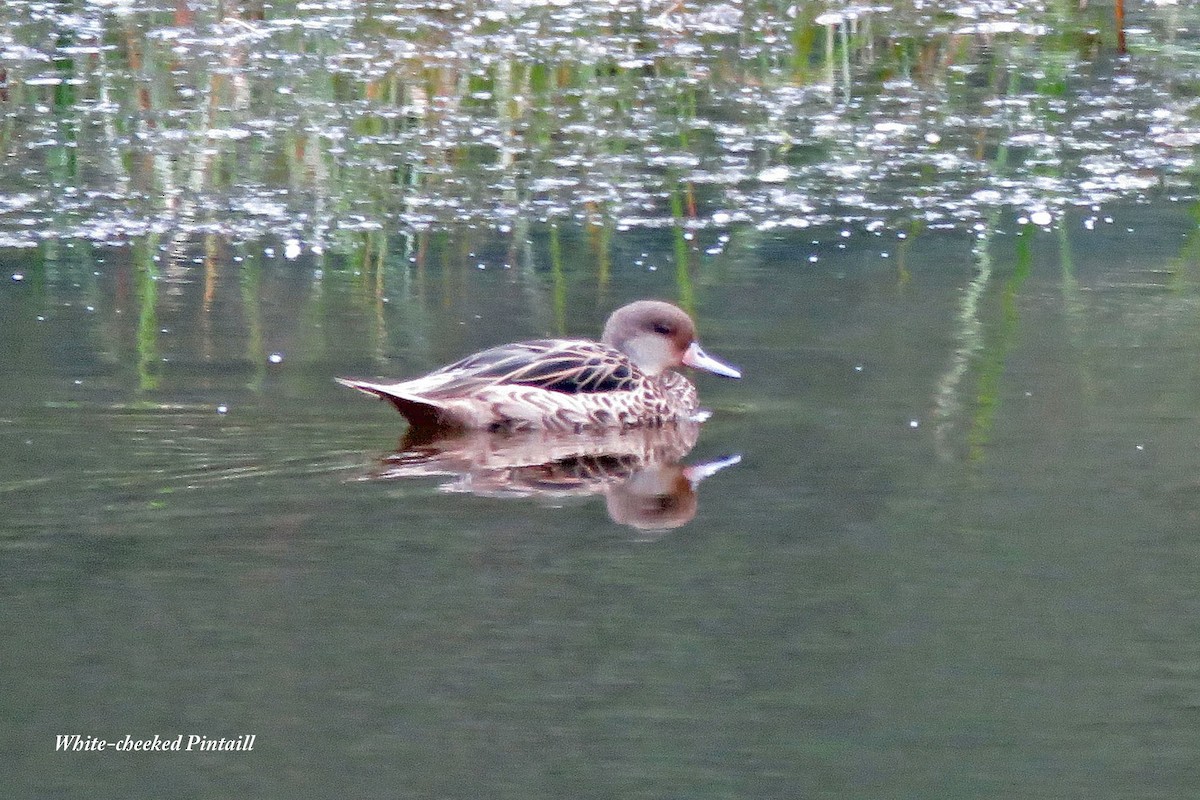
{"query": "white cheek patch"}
pixel 652 354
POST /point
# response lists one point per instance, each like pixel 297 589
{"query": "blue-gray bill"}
pixel 695 357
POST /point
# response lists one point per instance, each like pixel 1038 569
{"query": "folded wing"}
pixel 570 367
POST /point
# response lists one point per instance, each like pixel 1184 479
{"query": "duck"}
pixel 628 379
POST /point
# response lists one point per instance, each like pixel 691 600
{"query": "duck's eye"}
pixel 662 329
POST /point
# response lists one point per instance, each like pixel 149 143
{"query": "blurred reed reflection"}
pixel 317 121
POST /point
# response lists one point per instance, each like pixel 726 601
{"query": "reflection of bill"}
pixel 639 471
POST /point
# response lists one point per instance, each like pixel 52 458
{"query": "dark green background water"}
pixel 955 261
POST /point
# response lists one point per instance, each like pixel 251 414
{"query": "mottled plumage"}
pixel 556 365
pixel 624 381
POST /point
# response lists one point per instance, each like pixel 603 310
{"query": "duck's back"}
pixel 567 366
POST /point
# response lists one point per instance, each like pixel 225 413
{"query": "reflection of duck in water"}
pixel 625 380
pixel 638 470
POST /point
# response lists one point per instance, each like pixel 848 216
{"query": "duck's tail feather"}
pixel 420 412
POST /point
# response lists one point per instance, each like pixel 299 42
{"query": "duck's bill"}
pixel 695 357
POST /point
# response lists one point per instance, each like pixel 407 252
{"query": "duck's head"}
pixel 658 336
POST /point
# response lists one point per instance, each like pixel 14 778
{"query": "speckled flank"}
pixel 649 402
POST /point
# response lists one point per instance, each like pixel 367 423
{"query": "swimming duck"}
pixel 625 380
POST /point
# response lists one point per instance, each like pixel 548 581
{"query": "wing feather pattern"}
pixel 570 367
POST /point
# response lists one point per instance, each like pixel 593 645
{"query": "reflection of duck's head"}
pixel 656 498
pixel 658 336
pixel 662 496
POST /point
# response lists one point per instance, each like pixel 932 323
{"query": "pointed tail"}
pixel 419 412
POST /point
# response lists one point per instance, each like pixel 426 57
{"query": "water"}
pixel 956 263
